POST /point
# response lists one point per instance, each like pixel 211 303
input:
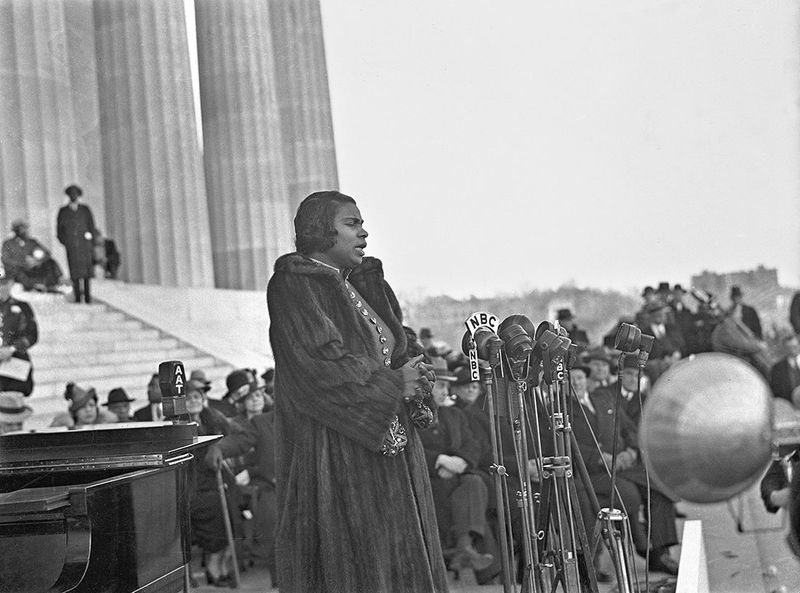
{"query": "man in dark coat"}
pixel 152 411
pixel 28 261
pixel 76 232
pixel 784 376
pixel 595 420
pixel 745 313
pixel 19 332
pixel 460 493
pixel 567 320
pixel 258 434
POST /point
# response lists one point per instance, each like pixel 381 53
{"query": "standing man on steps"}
pixel 76 232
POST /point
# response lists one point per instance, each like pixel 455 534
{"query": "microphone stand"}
pixel 560 511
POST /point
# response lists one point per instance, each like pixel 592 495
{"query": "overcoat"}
pixel 350 519
pixel 72 228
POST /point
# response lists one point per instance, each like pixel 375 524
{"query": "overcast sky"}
pixel 497 146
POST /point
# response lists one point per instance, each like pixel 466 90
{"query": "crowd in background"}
pixel 457 445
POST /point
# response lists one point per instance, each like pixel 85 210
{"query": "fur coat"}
pixel 350 520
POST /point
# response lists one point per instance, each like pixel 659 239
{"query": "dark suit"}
pixel 144 414
pixel 19 329
pixel 461 501
pixel 751 320
pixel 783 378
pixel 76 231
pixel 258 435
pixel 631 483
pixel 794 312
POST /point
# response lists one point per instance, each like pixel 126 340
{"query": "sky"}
pixel 496 147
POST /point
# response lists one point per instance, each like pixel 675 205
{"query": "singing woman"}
pixel 354 500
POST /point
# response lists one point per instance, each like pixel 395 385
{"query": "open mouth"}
pixel 360 249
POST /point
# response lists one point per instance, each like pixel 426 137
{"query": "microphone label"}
pixel 480 318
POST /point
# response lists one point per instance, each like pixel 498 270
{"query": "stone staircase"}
pixel 95 345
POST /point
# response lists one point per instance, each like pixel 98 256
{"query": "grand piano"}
pixel 103 509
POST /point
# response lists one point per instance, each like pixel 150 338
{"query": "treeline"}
pixel 598 312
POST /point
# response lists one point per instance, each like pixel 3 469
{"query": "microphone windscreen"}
pixel 172 379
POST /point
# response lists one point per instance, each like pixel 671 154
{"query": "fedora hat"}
pixel 13 408
pixel 442 372
pixel 117 396
pixel 200 375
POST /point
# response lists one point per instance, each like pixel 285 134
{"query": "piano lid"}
pixel 100 446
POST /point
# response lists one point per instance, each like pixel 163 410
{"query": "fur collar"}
pixel 370 270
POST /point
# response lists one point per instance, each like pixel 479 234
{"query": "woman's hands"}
pixel 418 378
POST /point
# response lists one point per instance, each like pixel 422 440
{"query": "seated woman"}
pixel 460 496
pixel 207 519
pixel 83 409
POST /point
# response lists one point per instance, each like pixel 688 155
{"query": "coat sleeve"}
pixel 61 231
pixel 348 392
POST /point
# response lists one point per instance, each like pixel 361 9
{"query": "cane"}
pixel 228 528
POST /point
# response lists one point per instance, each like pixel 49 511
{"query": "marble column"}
pixel 243 151
pixel 303 97
pixel 152 162
pixel 49 119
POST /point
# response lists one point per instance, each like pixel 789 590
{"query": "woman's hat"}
pixel 79 397
pixel 13 408
pixel 236 380
pixel 117 396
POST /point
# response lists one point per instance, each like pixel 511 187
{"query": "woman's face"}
pixel 441 393
pixel 254 403
pixel 350 239
pixel 195 400
pixel 87 414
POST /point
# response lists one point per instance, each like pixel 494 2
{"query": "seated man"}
pixel 460 496
pixel 595 419
pixel 28 261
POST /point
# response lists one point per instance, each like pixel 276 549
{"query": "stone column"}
pixel 303 97
pixel 49 120
pixel 243 151
pixel 152 163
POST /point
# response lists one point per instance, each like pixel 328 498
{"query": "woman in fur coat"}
pixel 355 512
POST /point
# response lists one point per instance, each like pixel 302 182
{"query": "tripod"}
pixel 555 549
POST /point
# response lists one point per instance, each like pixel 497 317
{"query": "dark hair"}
pixel 313 223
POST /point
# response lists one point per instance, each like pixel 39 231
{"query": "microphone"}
pixel 172 383
pixel 628 338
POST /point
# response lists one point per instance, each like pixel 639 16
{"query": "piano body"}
pixel 96 510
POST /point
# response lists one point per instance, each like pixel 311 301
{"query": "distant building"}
pixel 761 281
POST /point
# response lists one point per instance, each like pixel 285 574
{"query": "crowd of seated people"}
pixel 458 443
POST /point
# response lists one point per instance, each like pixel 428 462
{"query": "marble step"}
pixel 48 326
pixel 91 372
pixel 73 359
pixel 96 336
pixel 42 349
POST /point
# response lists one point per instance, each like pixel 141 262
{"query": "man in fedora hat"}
pixel 599 363
pixel 593 425
pixel 76 232
pixel 13 411
pixel 19 332
pixel 119 404
pixel 567 320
